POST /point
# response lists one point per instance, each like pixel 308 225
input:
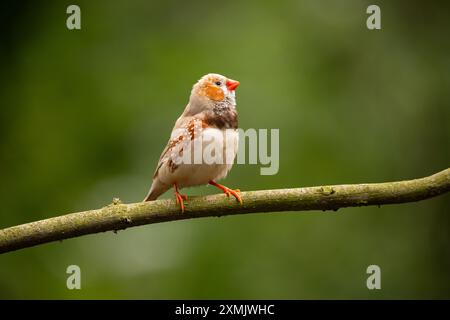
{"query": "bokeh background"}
pixel 85 114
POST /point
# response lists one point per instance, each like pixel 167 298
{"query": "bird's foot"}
pixel 180 198
pixel 228 191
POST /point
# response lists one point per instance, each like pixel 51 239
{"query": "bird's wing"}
pixel 185 130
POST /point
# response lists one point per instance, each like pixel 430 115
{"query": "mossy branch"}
pixel 117 216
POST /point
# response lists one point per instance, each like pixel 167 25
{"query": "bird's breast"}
pixel 222 117
pixel 222 144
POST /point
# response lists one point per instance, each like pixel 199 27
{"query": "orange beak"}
pixel 232 84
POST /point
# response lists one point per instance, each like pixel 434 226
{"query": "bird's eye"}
pixel 218 83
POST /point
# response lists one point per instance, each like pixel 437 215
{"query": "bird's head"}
pixel 215 87
pixel 210 90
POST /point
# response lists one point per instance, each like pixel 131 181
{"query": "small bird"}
pixel 209 121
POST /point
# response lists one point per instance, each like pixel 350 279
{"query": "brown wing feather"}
pixel 188 127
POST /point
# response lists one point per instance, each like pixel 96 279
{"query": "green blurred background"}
pixel 85 114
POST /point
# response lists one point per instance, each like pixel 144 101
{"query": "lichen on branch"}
pixel 118 215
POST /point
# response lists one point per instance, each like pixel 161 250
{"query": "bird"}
pixel 208 122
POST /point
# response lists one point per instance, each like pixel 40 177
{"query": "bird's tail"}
pixel 151 196
pixel 155 191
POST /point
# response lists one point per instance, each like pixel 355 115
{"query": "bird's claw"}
pixel 234 193
pixel 180 198
pixel 227 190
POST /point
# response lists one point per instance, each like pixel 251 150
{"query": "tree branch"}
pixel 117 216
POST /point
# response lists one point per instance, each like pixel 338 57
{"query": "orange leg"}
pixel 179 197
pixel 228 191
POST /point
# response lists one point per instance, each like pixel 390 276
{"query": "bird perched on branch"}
pixel 203 143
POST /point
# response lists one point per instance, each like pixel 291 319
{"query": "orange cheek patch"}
pixel 214 93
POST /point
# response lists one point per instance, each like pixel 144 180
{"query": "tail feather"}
pixel 155 191
pixel 151 196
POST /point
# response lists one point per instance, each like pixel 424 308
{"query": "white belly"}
pixel 218 151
